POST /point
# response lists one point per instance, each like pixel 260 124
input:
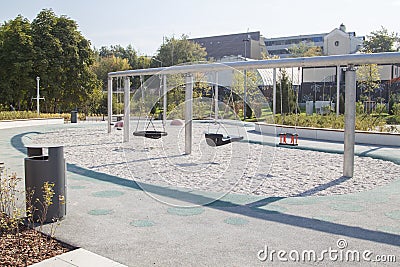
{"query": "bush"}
pixel 396 109
pixel 17 115
pixel 331 121
pixel 359 107
pixel 380 108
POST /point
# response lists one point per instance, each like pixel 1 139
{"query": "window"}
pixel 336 43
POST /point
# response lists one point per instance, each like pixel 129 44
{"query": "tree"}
pixel 118 51
pixel 368 78
pixel 305 50
pixel 251 90
pixel 62 60
pixel 103 65
pixel 16 61
pixel 285 96
pixel 381 41
pixel 178 51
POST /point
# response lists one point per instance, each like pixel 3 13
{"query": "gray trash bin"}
pixel 41 168
pixel 74 116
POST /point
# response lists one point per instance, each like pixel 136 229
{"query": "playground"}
pixel 245 167
pixel 142 223
pixel 196 186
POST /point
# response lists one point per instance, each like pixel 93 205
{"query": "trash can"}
pixel 41 167
pixel 74 116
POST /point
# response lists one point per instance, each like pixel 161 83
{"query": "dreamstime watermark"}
pixel 340 253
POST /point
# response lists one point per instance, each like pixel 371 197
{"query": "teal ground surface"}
pixel 112 216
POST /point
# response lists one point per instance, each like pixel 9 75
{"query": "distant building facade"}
pixel 341 42
pixel 336 42
pixel 311 84
pixel 248 45
pixel 280 46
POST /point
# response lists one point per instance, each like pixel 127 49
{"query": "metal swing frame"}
pixel 151 134
pixel 347 61
pixel 217 139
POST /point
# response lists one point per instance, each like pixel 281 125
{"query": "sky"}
pixel 144 23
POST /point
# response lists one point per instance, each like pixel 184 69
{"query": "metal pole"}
pixel 216 97
pixel 280 95
pixel 127 107
pixel 274 91
pixel 244 94
pixel 109 103
pixel 188 114
pixel 321 61
pixel 37 96
pixel 337 89
pixel 165 99
pixel 350 121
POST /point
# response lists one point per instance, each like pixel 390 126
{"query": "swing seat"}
pixel 293 139
pixel 150 134
pixel 213 139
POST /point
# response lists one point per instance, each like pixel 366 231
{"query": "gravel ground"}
pixel 238 167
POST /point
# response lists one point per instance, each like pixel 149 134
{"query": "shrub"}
pixel 396 109
pixel 364 122
pixel 16 115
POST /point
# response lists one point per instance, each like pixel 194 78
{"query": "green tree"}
pixel 63 59
pixel 305 50
pixel 381 41
pixel 179 51
pixel 368 78
pixel 251 90
pixel 118 51
pixel 17 82
pixel 285 96
pixel 103 65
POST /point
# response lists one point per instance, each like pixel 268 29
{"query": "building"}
pixel 280 46
pixel 254 46
pixel 341 42
pixel 314 84
pixel 336 42
pixel 248 45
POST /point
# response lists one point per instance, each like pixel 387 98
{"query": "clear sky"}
pixel 143 23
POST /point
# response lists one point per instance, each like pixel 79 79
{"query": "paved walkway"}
pixel 114 218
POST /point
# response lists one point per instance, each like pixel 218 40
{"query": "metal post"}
pixel 216 97
pixel 274 91
pixel 188 113
pixel 127 107
pixel 244 94
pixel 37 96
pixel 350 121
pixel 280 95
pixel 337 89
pixel 165 107
pixel 109 103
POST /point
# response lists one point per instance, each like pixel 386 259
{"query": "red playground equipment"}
pixel 283 138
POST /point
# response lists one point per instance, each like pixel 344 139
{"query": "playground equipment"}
pixel 283 137
pixel 348 61
pixel 154 133
pixel 218 139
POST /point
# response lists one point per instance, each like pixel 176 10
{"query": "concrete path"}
pixel 112 217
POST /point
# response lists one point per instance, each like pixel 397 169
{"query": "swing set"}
pixel 152 133
pixel 218 139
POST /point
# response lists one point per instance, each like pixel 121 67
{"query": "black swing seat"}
pixel 214 139
pixel 150 134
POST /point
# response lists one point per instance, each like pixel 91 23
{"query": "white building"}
pixel 336 42
pixel 340 42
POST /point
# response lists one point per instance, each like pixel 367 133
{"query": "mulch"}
pixel 28 247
